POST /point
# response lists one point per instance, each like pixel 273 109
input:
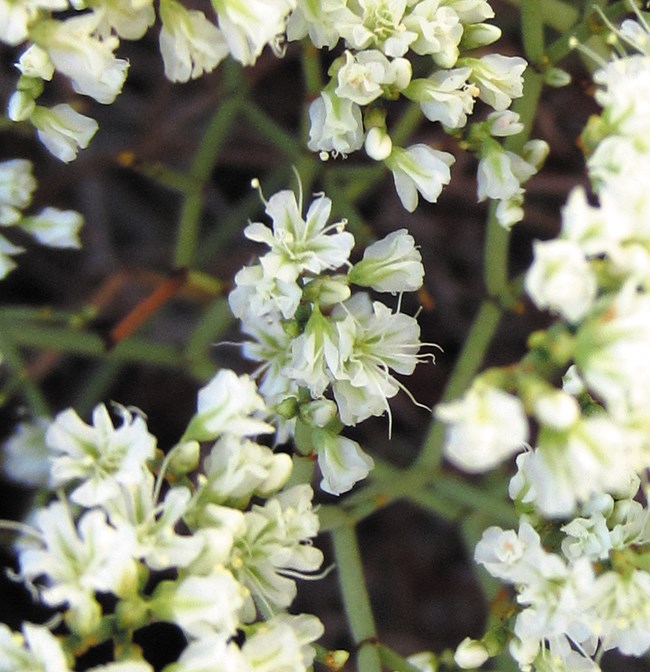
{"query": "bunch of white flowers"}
pixel 215 552
pixel 79 40
pixel 314 336
pixel 584 587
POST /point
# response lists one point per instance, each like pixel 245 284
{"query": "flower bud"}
pixel 470 654
pixel 479 35
pixel 318 413
pixel 378 144
pixel 184 458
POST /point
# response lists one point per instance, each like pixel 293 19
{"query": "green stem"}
pixel 556 14
pixel 356 600
pixel 204 162
pixel 394 661
pixel 584 30
pixel 269 129
pixel 532 30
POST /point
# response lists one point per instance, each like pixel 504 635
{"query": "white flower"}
pixel 371 341
pixel 622 611
pixel 36 649
pixel 276 548
pixel 249 25
pixel 485 427
pixel 25 453
pixel 128 18
pixel 363 76
pixel 470 654
pixel 335 124
pixel 54 227
pixel 62 130
pixel 499 78
pixel 342 461
pixel 34 62
pixel 560 278
pixel 190 44
pixel 595 455
pixel 201 605
pixel 260 294
pixel 200 656
pixel 228 404
pixel 320 20
pixel 74 564
pixel 438 31
pixel 153 524
pixel 392 264
pixel 376 23
pixel 378 144
pixel 300 245
pixel 77 51
pixel 444 96
pixel 613 352
pixel 17 185
pixel 16 17
pixel 556 409
pixel 238 469
pixel 282 644
pixel 419 168
pixel 102 456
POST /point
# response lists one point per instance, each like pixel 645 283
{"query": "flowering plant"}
pixel 297 331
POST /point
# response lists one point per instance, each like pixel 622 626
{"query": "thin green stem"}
pixel 532 30
pixel 269 129
pixel 204 162
pixel 356 600
pixel 589 26
pixel 555 13
pixel 393 661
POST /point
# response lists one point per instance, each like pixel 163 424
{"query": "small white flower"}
pixel 25 453
pixel 438 31
pixel 445 96
pixel 190 44
pixel 419 168
pixel 282 644
pixel 228 404
pixel 561 279
pixel 54 227
pixel 363 76
pixel 77 51
pixel 378 144
pixel 36 649
pixel 75 563
pixel 499 78
pixel 200 655
pixel 335 124
pixel 62 130
pixel 17 185
pixel 249 25
pixel 371 341
pixel 201 606
pixel 470 654
pixel 341 460
pixel 485 427
pixel 392 264
pixel 101 456
pixel 34 62
pixel 300 245
pixel 238 469
pixel 7 250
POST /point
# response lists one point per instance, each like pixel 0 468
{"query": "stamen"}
pixel 255 184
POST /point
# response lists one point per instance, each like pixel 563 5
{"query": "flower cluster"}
pixel 214 552
pixel 584 587
pixel 379 36
pixel 314 337
pixel 50 226
pixel 79 39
